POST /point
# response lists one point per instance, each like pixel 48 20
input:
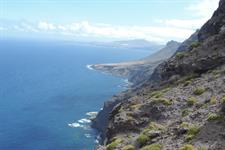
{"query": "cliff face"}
pixel 180 106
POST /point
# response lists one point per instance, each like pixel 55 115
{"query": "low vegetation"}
pixel 180 55
pixel 199 90
pixel 114 143
pixel 195 45
pixel 191 101
pixel 187 147
pixel 185 112
pixel 142 139
pixel 153 147
pixel 223 100
pixel 164 101
pixel 213 100
pixel 192 130
pixel 213 117
pixel 128 147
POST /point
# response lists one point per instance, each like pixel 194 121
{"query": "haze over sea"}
pixel 46 86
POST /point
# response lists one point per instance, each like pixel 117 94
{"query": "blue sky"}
pixel 154 20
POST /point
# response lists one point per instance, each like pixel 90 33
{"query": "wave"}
pixel 89 67
pixel 92 114
pixel 75 125
pixel 84 120
pixel 87 135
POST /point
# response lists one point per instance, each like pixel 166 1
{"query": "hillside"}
pixel 181 106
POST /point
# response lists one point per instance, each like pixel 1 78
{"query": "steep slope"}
pixel 137 71
pixel 181 106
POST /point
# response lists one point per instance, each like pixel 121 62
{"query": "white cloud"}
pixel 164 30
pixel 204 8
pixel 186 24
pixel 46 26
pixel 159 34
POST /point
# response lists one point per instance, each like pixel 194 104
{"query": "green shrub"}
pixel 142 139
pixel 201 148
pixel 153 126
pixel 213 100
pixel 194 45
pixel 164 101
pixel 114 143
pixel 185 112
pixel 187 147
pixel 223 100
pixel 199 90
pixel 213 117
pixel 180 55
pixel 128 147
pixel 191 101
pixel 193 130
pixel 153 147
pixel 156 94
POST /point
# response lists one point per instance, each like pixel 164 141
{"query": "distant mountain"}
pixel 132 44
pixel 137 71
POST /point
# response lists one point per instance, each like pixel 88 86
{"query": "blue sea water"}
pixel 44 86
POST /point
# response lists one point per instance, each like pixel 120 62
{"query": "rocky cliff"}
pixel 181 106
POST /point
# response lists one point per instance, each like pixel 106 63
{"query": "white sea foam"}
pixel 84 120
pixel 92 114
pixel 75 125
pixel 97 141
pixel 87 135
pixel 89 67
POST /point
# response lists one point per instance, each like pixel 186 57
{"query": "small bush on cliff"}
pixel 213 117
pixel 185 112
pixel 193 130
pixel 223 100
pixel 142 139
pixel 191 101
pixel 187 147
pixel 128 147
pixel 194 45
pixel 180 55
pixel 153 126
pixel 164 101
pixel 156 94
pixel 199 90
pixel 153 147
pixel 213 100
pixel 114 143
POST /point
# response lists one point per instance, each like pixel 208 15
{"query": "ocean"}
pixel 48 95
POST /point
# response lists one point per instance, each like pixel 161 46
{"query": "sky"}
pixel 104 20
